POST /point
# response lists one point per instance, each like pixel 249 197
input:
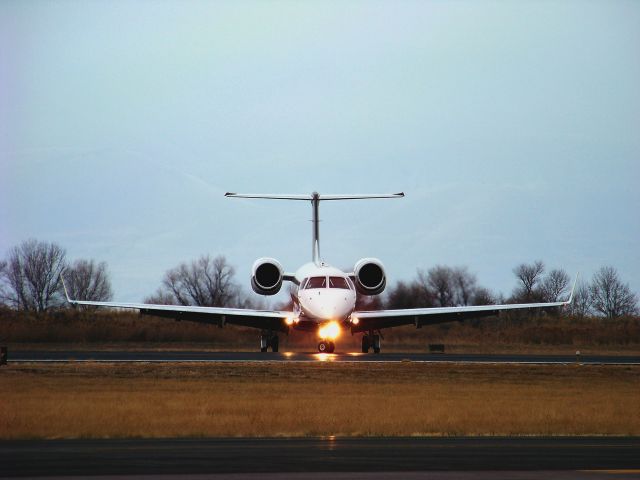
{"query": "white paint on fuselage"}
pixel 324 304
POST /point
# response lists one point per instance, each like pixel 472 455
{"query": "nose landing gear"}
pixel 326 346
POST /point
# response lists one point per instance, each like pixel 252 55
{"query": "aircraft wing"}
pixel 274 320
pixel 375 320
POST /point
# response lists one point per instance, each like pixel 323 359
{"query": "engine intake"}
pixel 370 277
pixel 266 276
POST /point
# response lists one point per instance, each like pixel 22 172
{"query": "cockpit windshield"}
pixel 338 282
pixel 316 282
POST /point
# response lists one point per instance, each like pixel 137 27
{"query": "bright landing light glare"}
pixel 330 331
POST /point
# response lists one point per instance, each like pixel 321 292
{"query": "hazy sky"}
pixel 513 128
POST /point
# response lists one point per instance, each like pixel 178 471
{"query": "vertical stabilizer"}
pixel 315 205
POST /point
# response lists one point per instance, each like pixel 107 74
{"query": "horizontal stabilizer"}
pixel 314 196
pixel 362 197
pixel 268 197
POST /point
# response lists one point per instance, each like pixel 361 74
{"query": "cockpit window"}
pixel 338 282
pixel 316 282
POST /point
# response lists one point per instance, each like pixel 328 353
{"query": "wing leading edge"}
pixel 375 320
pixel 274 320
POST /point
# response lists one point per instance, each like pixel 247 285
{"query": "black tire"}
pixel 263 349
pixel 274 344
pixel 323 347
pixel 376 341
pixel 365 344
pixel 332 347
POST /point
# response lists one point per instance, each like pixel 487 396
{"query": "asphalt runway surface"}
pixel 202 356
pixel 278 456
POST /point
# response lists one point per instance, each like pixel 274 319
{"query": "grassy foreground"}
pixel 276 399
pixel 77 329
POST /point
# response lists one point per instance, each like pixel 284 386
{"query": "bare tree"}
pixel 420 288
pixel 4 293
pixel 87 280
pixel 439 281
pixel 15 288
pixel 483 296
pixel 161 297
pixel 529 277
pixel 205 281
pixel 408 295
pixel 610 296
pixel 368 302
pixel 465 286
pixel 444 286
pixel 554 284
pixel 447 286
pixel 581 304
pixel 32 275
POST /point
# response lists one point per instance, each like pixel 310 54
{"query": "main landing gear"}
pixel 269 340
pixel 369 341
pixel 326 346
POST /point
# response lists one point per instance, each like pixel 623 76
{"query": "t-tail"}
pixel 315 198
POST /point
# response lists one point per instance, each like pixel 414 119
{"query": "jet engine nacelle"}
pixel 370 277
pixel 266 276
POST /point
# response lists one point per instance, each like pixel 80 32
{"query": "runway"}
pixel 203 356
pixel 225 456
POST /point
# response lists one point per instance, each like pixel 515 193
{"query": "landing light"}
pixel 330 331
pixel 289 320
pixel 355 320
pixel 325 357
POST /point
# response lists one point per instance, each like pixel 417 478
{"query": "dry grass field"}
pixel 282 399
pixel 101 329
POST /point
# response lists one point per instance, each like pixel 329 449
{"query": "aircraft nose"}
pixel 327 305
pixel 335 309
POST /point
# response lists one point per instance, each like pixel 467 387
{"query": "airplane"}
pixel 324 297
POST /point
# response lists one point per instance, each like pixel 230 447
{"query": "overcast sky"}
pixel 512 127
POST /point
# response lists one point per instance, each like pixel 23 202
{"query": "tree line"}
pixel 30 280
pixel 442 286
pixel 30 277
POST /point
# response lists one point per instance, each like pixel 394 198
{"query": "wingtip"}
pixel 64 286
pixel 229 194
pixel 400 194
pixel 573 289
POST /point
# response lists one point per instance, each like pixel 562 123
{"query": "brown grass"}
pixel 97 329
pixel 248 399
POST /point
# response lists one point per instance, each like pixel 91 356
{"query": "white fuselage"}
pixel 324 293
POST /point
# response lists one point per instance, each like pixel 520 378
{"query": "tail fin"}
pixel 315 198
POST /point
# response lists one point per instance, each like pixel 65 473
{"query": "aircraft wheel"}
pixel 263 349
pixel 376 344
pixel 332 347
pixel 274 343
pixel 323 347
pixel 365 344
